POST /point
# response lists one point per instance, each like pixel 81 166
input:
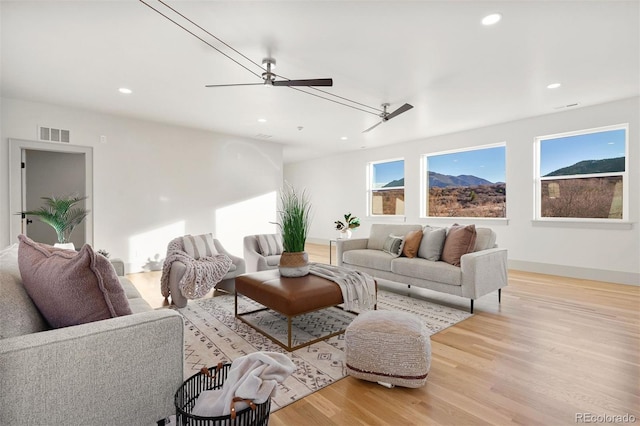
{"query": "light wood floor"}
pixel 556 348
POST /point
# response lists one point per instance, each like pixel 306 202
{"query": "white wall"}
pixel 337 185
pixel 153 182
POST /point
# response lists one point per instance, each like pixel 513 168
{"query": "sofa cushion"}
pixel 441 272
pixel 374 259
pixel 70 288
pixel 393 245
pixel 485 239
pixel 412 243
pixel 460 241
pixel 18 314
pixel 198 246
pixel 380 232
pixel 270 244
pixel 432 243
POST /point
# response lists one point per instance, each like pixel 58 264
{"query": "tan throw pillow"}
pixel 198 246
pixel 70 288
pixel 412 243
pixel 460 241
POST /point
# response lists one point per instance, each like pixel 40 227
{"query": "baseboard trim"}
pixel 618 277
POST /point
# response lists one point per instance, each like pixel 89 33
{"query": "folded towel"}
pixel 358 289
pixel 254 377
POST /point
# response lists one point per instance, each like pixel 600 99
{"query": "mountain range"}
pixel 591 166
pixel 442 181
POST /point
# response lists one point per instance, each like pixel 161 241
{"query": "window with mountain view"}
pixel 386 188
pixel 469 183
pixel 582 175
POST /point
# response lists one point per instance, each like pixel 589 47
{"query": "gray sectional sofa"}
pixel 120 371
pixel 482 271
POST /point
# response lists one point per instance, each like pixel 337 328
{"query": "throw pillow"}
pixel 9 260
pixel 198 246
pixel 393 245
pixel 432 243
pixel 460 241
pixel 270 244
pixel 70 288
pixel 412 243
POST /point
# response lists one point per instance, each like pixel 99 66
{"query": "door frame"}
pixel 16 146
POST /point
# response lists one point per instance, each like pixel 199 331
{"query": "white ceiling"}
pixel 435 55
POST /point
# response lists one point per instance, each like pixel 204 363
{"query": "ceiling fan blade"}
pixel 231 85
pixel 312 82
pixel 403 108
pixel 373 127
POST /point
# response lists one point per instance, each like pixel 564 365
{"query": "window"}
pixel 582 175
pixel 465 183
pixel 386 188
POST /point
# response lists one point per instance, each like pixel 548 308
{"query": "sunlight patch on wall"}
pixel 145 246
pixel 253 216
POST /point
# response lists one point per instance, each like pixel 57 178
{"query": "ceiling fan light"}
pixel 492 19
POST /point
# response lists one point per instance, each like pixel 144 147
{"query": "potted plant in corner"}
pixel 293 221
pixel 350 222
pixel 62 215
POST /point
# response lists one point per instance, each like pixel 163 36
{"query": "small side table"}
pixel 331 250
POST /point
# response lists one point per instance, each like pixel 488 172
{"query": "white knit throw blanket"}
pixel 201 274
pixel 358 289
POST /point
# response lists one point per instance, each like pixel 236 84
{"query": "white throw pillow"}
pixel 393 245
pixel 9 260
pixel 432 243
pixel 198 246
pixel 270 244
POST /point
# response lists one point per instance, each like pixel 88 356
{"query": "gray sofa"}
pixel 480 272
pixel 120 371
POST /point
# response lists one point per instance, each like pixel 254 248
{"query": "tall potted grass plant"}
pixel 294 221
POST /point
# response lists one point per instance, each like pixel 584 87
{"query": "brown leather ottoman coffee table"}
pixel 289 297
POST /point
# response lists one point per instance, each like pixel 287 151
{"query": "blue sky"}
pixel 384 173
pixel 562 152
pixel 486 163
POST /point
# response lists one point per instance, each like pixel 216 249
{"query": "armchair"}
pixel 227 284
pixel 261 258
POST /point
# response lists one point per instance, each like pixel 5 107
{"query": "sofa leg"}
pixel 499 295
pixel 471 310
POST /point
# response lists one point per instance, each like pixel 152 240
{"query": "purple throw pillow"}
pixel 70 288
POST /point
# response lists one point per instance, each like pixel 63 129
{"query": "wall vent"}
pixel 53 135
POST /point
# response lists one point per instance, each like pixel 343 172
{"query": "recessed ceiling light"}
pixel 492 19
pixel 125 90
pixel 344 138
pixel 262 120
pixel 554 86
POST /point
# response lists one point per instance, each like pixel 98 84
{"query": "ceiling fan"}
pixel 269 78
pixel 386 116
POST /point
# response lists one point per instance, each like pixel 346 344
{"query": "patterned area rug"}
pixel 212 335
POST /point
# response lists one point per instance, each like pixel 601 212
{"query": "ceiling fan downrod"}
pixel 268 76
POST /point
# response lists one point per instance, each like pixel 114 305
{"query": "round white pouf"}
pixel 389 347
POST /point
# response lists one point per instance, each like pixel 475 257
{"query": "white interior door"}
pixel 50 169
